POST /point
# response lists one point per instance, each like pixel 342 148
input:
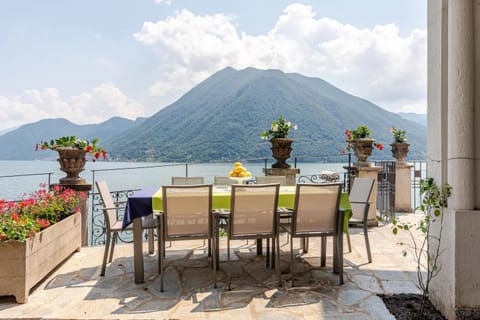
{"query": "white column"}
pixel 461 147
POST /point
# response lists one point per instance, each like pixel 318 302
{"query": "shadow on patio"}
pixel 76 291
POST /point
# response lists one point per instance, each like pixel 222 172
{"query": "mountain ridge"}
pixel 221 119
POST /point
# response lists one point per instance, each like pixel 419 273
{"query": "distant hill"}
pixel 420 118
pixel 20 144
pixel 222 118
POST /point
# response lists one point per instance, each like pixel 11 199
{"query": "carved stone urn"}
pixel 281 149
pixel 400 151
pixel 72 162
pixel 362 149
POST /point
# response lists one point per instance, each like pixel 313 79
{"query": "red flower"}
pixel 43 223
pixel 36 147
pixel 89 149
pixel 15 216
pixel 379 146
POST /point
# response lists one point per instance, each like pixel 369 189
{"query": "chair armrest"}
pixel 109 208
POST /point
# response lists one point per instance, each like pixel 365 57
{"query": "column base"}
pixel 290 174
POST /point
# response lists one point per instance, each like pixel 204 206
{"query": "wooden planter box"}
pixel 24 264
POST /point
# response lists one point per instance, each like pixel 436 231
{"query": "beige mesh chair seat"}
pixel 223 181
pixel 282 180
pixel 113 226
pixel 359 200
pixel 252 215
pixel 186 216
pixel 317 214
pixel 187 180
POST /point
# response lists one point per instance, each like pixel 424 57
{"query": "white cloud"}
pixel 98 105
pixel 167 2
pixel 378 64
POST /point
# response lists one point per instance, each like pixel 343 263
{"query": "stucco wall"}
pixel 453 147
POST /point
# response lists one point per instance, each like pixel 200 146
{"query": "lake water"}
pixel 126 175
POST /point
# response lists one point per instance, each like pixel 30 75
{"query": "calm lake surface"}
pixel 127 175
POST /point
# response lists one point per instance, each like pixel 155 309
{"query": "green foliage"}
pixel 279 129
pixel 398 135
pixel 73 142
pixel 426 250
pixel 362 131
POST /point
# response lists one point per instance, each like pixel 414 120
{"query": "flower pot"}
pixel 362 148
pixel 72 162
pixel 24 264
pixel 281 149
pixel 400 151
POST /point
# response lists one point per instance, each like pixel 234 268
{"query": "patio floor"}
pixel 76 291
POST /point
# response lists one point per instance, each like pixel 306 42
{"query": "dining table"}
pixel 148 200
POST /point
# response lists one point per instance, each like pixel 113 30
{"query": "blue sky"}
pixel 90 60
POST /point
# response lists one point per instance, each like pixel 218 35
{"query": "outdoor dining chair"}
pixel 223 181
pixel 359 200
pixel 187 180
pixel 187 211
pixel 271 179
pixel 113 225
pixel 316 214
pixel 252 216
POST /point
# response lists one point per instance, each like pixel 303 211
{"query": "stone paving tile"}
pixel 76 291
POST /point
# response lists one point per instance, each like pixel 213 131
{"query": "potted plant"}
pixel 281 144
pixel 36 235
pixel 362 143
pixel 72 153
pixel 400 145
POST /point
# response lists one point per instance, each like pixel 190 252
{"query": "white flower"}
pixel 295 127
pixel 275 128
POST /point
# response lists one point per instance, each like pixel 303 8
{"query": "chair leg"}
pixel 367 243
pixel 214 249
pixel 267 254
pixel 277 260
pixel 112 246
pixel 105 254
pixel 150 238
pixel 274 249
pixel 228 249
pixel 349 243
pixel 340 256
pixel 161 252
pixel 323 251
pixel 291 259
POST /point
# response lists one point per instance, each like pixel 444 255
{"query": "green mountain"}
pixel 20 144
pixel 222 118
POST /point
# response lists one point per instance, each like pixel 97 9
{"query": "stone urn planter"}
pixel 25 264
pixel 400 151
pixel 281 149
pixel 362 149
pixel 72 162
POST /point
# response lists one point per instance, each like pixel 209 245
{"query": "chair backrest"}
pixel 110 211
pixel 252 210
pixel 316 208
pixel 271 179
pixel 187 210
pixel 187 180
pixel 223 181
pixel 359 196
